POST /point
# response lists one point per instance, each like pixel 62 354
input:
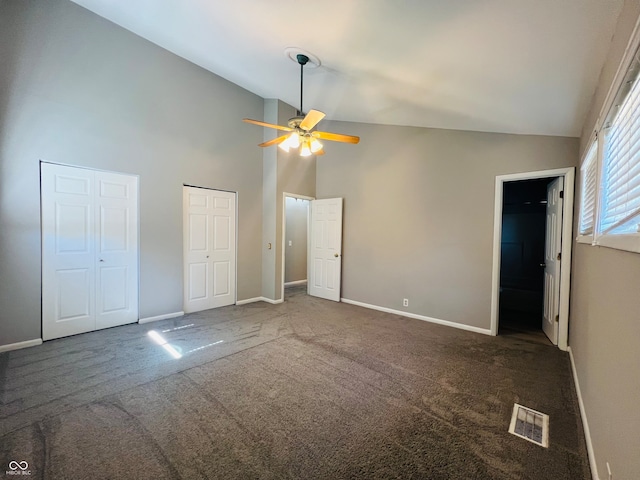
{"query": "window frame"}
pixel 628 69
pixel 593 163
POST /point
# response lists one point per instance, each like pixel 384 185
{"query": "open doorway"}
pixel 522 258
pixel 321 222
pixel 519 297
pixel 296 242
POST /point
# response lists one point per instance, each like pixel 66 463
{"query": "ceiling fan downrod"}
pixel 302 60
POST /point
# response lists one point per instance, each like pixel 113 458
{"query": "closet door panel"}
pixel 68 251
pixel 209 248
pixel 116 234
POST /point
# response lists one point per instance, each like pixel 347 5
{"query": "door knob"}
pixel 543 265
pixel 336 255
pixel 101 260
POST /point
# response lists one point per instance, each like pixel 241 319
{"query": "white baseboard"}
pixel 297 282
pixel 461 326
pixel 258 299
pixel 585 424
pixel 272 302
pixel 161 317
pixel 19 345
pixel 249 300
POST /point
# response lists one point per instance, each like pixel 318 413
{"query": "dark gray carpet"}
pixel 306 389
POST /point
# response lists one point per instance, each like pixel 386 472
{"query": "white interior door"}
pixel 116 213
pixel 553 242
pixel 89 250
pixel 209 248
pixel 325 264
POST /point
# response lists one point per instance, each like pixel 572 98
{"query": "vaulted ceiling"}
pixel 515 66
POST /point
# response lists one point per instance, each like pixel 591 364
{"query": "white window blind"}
pixel 620 210
pixel 588 195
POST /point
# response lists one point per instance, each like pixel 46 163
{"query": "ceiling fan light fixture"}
pixel 305 151
pixel 315 145
pixel 294 140
pixel 284 146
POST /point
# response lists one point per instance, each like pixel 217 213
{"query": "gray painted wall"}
pixel 79 90
pixel 418 212
pixel 295 259
pixel 604 330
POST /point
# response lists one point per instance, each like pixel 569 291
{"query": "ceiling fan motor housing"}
pixel 294 122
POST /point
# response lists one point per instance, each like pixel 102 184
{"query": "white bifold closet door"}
pixel 89 250
pixel 209 248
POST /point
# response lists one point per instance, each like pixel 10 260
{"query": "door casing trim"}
pixel 566 245
pixel 284 232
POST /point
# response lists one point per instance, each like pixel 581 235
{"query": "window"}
pixel 610 171
pixel 621 169
pixel 588 193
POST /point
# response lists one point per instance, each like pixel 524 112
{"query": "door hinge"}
pixel 561 193
pixel 559 255
pixel 557 318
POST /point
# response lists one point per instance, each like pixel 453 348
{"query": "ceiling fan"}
pixel 299 130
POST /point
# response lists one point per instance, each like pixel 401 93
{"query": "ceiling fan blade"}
pixel 270 125
pixel 336 137
pixel 275 141
pixel 311 120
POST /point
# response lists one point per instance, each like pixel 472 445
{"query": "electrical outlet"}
pixel 405 302
pixel 290 243
pixel 609 471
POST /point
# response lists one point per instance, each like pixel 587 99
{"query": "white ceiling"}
pixel 516 66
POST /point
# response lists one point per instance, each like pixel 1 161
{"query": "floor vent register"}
pixel 530 425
